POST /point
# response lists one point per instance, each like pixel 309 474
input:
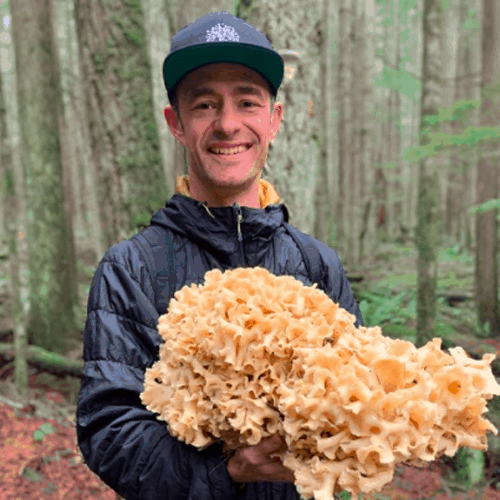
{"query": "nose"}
pixel 227 121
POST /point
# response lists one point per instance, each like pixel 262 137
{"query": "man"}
pixel 222 76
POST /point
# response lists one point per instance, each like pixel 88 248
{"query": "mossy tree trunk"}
pixel 364 128
pixel 323 200
pixel 85 209
pixel 428 209
pixel 487 176
pixel 123 131
pixel 49 233
pixel 293 160
pixel 11 225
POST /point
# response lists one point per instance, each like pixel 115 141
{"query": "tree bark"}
pixel 158 36
pixel 450 51
pixel 51 253
pixel 475 65
pixel 394 192
pixel 123 132
pixel 487 178
pixel 294 157
pixel 429 217
pixel 354 150
pixel 324 209
pixel 367 155
pixel 87 172
pixel 344 126
pixel 417 57
pixel 45 359
pixel 11 226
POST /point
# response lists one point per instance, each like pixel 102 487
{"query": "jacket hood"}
pixel 217 227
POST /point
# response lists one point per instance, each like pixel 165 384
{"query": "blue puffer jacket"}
pixel 121 440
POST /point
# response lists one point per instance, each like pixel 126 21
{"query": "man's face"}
pixel 226 124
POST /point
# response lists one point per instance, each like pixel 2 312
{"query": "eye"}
pixel 204 105
pixel 251 103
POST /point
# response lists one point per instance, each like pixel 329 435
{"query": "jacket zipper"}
pixel 239 220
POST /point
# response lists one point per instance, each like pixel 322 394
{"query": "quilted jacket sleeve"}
pixel 121 441
pixel 338 285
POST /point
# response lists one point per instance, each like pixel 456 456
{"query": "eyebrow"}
pixel 242 89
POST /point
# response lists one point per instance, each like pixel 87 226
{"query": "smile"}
pixel 229 151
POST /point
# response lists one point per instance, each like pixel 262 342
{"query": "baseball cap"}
pixel 221 37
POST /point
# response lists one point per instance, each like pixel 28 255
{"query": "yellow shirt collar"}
pixel 267 193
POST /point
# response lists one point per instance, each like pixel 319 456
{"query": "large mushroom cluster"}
pixel 248 355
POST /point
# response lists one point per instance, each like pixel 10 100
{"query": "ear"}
pixel 174 124
pixel 276 119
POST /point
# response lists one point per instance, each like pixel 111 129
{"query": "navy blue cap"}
pixel 221 37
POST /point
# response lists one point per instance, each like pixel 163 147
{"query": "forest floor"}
pixel 40 457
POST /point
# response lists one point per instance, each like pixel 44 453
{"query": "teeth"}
pixel 228 151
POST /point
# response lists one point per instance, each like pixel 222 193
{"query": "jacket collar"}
pixel 267 193
pixel 216 228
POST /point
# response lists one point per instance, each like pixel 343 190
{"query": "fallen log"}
pixel 454 298
pixel 46 359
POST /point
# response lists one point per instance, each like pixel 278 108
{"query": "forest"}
pixel 388 152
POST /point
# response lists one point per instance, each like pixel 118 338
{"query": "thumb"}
pixel 271 444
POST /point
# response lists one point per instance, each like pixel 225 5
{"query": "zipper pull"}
pixel 239 220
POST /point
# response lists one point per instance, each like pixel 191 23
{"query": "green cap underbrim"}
pixel 266 62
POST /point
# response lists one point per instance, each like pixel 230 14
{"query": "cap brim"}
pixel 266 62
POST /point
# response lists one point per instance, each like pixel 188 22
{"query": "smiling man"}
pixel 225 116
pixel 222 76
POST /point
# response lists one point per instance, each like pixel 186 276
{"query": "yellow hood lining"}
pixel 267 193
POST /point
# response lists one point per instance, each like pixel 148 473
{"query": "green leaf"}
pixel 46 428
pixel 492 204
pixel 32 475
pixel 38 435
pixel 470 466
pixel 471 24
pixel 345 495
pixel 400 80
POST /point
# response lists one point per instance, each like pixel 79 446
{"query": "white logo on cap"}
pixel 222 33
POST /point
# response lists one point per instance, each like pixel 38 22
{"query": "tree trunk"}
pixel 394 198
pixel 158 35
pixel 417 57
pixel 344 107
pixel 462 196
pixel 409 120
pixel 324 209
pixel 487 177
pixel 123 132
pixel 450 51
pixel 51 262
pixel 294 157
pixel 11 221
pixel 368 129
pixel 354 149
pixel 383 137
pixel 475 65
pixel 428 228
pixel 87 228
pixel 44 359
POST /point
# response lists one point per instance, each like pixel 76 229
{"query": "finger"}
pixel 278 473
pixel 270 444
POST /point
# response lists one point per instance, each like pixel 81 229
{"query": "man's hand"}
pixel 260 463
